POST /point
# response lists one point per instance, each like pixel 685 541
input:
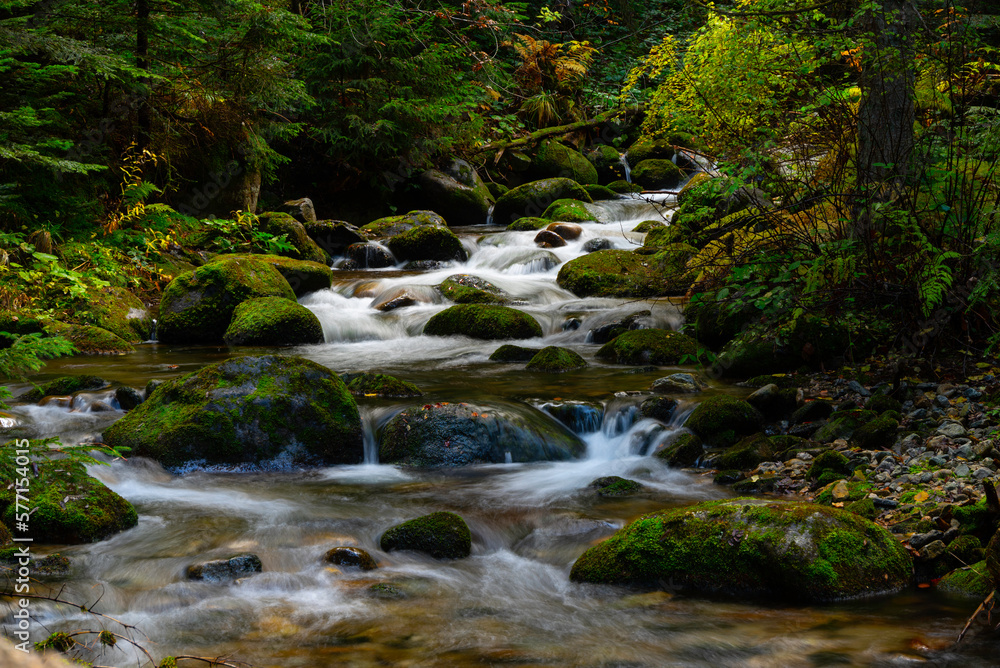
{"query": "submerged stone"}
pixel 442 535
pixel 351 556
pixel 382 385
pixel 752 548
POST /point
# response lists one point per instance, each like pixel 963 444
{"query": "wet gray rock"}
pixel 678 383
pixel 222 570
pixel 351 556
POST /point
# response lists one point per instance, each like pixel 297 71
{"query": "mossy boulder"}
pixel 426 242
pixel 748 453
pixel 69 505
pixel 647 148
pixel 65 385
pixel 557 160
pixel 512 353
pixel 531 199
pixel 878 434
pixel 648 346
pixel 483 321
pixel 659 237
pixel 467 289
pixel 881 403
pixel 722 420
pixel 829 461
pixel 568 210
pixel 442 535
pixel 273 321
pixel 382 385
pixel 752 548
pixel 459 203
pixel 393 225
pixel 972 581
pixel 686 450
pixel 993 558
pixel 608 163
pixel 647 226
pixel 89 340
pixel 528 224
pixel 657 174
pixel 197 306
pixel 614 273
pixel 265 410
pixel 838 427
pixel 658 408
pixel 624 187
pixel 449 434
pixel 302 276
pixel 303 248
pixel 600 193
pixel 556 359
pixel 118 311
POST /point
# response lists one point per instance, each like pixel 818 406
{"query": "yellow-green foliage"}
pixel 738 78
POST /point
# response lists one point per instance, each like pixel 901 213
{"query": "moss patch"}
pixel 568 211
pixel 722 420
pixel 483 321
pixel 90 340
pixel 617 273
pixel 442 535
pixel 749 547
pixel 66 385
pixel 531 199
pixel 247 410
pixel 972 581
pixel 118 311
pixel 685 451
pixel 648 346
pixel 656 174
pixel 512 353
pixel 528 224
pixel 273 321
pixel 382 385
pixel 426 242
pixel 466 289
pixel 302 276
pixel 557 160
pixel 393 225
pixel 556 359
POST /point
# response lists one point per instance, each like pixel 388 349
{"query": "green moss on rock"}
pixel 648 346
pixel 483 321
pixel 467 289
pixel 685 451
pixel 557 160
pixel 657 174
pixel 624 187
pixel 426 242
pixel 65 385
pixel 722 420
pixel 531 199
pixel 69 505
pixel 748 453
pixel 442 535
pixel 197 306
pixel 393 225
pixel 89 340
pixel 247 410
pixel 512 353
pixel 528 224
pixel 273 321
pixel 829 461
pixel 382 385
pixel 303 247
pixel 752 547
pixel 647 226
pixel 567 210
pixel 616 273
pixel 879 434
pixel 599 193
pixel 555 359
pixel 972 581
pixel 302 276
pixel 118 311
pixel 615 487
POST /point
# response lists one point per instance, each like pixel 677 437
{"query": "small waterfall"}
pixel 628 169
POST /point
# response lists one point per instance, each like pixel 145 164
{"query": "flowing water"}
pixel 511 602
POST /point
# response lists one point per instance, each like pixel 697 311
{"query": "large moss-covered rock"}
pixel 69 505
pixel 600 193
pixel 382 385
pixel 647 148
pixel 556 160
pixel 972 581
pixel 89 340
pixel 512 353
pixel 393 225
pixel 118 311
pixel 302 276
pixel 273 321
pixel 197 306
pixel 613 273
pixel 467 289
pixel 528 224
pixel 448 434
pixel 624 187
pixel 247 410
pixel 442 535
pixel 722 420
pixel 483 321
pixel 66 385
pixel 459 203
pixel 686 450
pixel 427 242
pixel 555 359
pixel 303 247
pixel 648 346
pixel 878 434
pixel 656 174
pixel 752 547
pixel 531 199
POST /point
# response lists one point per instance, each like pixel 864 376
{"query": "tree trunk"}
pixel 142 62
pixel 886 113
